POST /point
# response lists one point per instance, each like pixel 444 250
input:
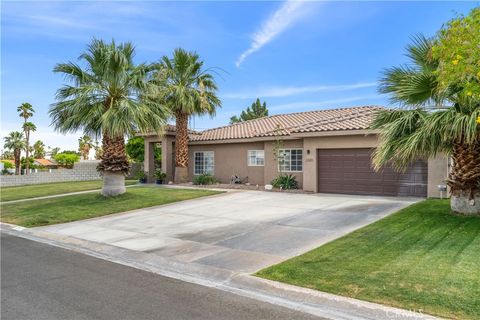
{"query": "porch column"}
pixel 167 157
pixel 149 159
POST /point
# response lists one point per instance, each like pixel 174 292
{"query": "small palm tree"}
pixel 84 146
pixel 26 111
pixel 15 142
pixel 98 151
pixel 39 150
pixel 435 121
pixel 106 99
pixel 187 89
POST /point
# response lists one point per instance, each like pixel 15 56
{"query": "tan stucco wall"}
pixel 437 174
pixel 336 142
pixel 271 166
pixel 230 159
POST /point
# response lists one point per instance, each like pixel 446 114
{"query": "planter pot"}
pixel 462 204
pixel 159 181
pixel 113 183
pixel 142 180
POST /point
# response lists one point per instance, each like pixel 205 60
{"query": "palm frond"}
pixel 419 52
pixel 106 93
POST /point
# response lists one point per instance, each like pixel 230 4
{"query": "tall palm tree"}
pixel 15 142
pixel 432 121
pixel 84 146
pixel 26 111
pixel 106 100
pixel 187 88
pixel 28 127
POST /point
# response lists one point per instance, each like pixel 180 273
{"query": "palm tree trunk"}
pixel 16 155
pixel 85 152
pixel 113 165
pixel 181 147
pixel 27 140
pixel 464 179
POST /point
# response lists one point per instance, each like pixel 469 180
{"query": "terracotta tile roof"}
pixel 354 118
pixel 44 162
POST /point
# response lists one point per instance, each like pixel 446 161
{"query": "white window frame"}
pixel 289 160
pixel 255 154
pixel 204 164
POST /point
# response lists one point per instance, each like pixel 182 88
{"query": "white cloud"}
pixel 43 20
pixel 283 18
pixel 310 105
pixel 291 91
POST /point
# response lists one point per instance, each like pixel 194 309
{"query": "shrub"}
pixel 141 175
pixel 66 159
pixel 5 172
pixel 159 174
pixel 285 182
pixel 204 179
pixel 23 163
pixel 8 165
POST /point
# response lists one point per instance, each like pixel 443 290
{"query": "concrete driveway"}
pixel 242 231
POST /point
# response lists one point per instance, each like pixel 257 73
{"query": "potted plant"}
pixel 160 176
pixel 142 176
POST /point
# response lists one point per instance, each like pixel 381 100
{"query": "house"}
pixel 328 151
pixel 45 163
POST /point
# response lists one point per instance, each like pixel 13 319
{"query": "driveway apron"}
pixel 242 231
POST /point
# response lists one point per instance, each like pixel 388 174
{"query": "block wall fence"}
pixel 81 171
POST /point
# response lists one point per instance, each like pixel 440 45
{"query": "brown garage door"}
pixel 349 171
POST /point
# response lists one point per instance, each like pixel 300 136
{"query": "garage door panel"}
pixel 350 171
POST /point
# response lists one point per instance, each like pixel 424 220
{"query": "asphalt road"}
pixel 45 282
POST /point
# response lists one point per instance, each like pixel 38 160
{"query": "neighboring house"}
pixel 46 163
pixel 327 150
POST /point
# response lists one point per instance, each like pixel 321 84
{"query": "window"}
pixel 204 162
pixel 290 160
pixel 256 157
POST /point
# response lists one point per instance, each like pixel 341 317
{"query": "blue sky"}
pixel 296 56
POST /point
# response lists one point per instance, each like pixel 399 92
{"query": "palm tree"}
pixel 26 111
pixel 15 142
pixel 106 100
pixel 98 151
pixel 39 150
pixel 433 121
pixel 187 88
pixel 28 127
pixel 84 146
pixel 52 152
pixel 7 155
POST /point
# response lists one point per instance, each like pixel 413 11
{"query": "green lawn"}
pixel 48 189
pixel 421 258
pixel 83 206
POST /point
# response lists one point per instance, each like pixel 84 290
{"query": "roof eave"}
pixel 350 132
pixel 293 136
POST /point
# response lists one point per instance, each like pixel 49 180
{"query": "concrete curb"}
pixel 318 303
